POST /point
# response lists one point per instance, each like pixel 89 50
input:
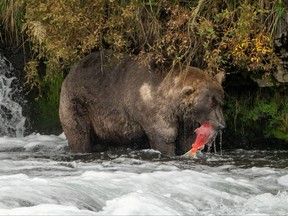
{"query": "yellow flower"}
pixel 254 59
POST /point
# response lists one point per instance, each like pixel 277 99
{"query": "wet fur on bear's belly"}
pixel 115 126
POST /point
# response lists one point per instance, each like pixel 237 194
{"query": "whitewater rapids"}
pixel 38 176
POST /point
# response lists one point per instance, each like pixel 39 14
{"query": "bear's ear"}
pixel 220 77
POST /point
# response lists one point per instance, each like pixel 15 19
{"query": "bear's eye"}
pixel 187 91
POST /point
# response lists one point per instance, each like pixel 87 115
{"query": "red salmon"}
pixel 203 135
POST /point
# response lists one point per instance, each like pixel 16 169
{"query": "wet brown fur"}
pixel 106 101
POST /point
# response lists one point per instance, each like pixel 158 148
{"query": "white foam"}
pixel 137 203
pixel 11 119
pixel 283 180
pixel 29 143
pixel 46 209
pixel 31 184
pixel 267 203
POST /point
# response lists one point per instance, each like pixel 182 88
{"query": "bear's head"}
pixel 202 97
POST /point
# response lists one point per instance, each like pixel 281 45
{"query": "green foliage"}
pixel 259 115
pixel 224 34
pixel 45 108
pixel 220 32
pixel 239 37
pixel 11 20
pixel 63 31
pixel 278 11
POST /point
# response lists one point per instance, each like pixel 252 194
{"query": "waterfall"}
pixel 11 119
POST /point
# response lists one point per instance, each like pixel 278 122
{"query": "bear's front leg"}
pixel 158 143
pixel 162 139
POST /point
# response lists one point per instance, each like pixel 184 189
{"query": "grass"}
pixel 11 20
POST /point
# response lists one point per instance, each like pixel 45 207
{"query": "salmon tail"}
pixel 190 154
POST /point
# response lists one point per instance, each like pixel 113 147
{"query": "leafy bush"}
pixel 222 33
pixel 258 115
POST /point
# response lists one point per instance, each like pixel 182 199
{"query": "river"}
pixel 38 176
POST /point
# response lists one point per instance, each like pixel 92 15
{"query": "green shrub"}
pixel 254 116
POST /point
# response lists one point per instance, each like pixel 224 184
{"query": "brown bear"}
pixel 107 101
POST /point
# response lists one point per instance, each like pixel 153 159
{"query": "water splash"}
pixel 220 141
pixel 11 118
pixel 214 143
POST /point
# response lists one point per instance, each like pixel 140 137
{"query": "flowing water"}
pixel 38 176
pixel 11 118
